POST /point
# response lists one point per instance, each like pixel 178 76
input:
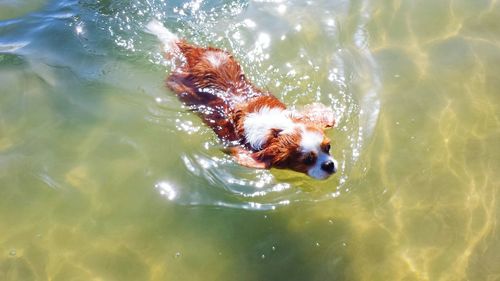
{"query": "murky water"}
pixel 105 176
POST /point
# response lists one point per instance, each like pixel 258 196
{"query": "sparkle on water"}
pixel 104 175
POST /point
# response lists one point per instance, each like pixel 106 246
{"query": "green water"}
pixel 104 176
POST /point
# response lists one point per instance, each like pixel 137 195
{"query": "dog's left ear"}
pixel 317 115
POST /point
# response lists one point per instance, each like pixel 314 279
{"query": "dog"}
pixel 256 128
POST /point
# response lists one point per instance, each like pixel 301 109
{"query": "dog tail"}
pixel 166 37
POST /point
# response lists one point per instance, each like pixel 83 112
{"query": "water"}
pixel 104 176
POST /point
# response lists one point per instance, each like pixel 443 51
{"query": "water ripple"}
pixel 279 52
pixel 356 106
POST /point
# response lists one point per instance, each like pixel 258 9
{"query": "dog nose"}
pixel 328 167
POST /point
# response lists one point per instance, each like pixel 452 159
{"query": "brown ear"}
pixel 317 115
pixel 245 158
pixel 278 152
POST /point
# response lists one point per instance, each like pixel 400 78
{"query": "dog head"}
pixel 302 145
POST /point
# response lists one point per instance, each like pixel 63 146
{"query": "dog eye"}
pixel 327 147
pixel 310 158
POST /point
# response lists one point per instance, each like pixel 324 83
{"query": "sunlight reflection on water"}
pixel 105 175
pixel 282 57
pixel 251 42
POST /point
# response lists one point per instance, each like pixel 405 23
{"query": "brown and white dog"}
pixel 257 128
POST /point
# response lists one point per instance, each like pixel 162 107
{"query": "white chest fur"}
pixel 258 125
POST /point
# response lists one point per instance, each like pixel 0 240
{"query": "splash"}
pixel 282 56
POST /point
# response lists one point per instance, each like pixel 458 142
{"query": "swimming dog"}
pixel 257 128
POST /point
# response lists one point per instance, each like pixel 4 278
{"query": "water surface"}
pixel 105 176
